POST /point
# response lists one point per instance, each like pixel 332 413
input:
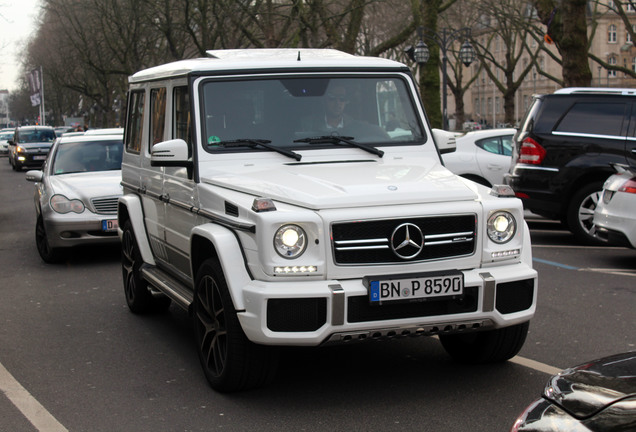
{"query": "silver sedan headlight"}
pixel 290 241
pixel 502 227
pixel 61 204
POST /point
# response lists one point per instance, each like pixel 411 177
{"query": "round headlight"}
pixel 61 204
pixel 501 227
pixel 290 241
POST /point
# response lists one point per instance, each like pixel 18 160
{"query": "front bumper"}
pixel 318 312
pixel 71 229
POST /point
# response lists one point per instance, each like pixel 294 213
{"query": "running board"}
pixel 167 285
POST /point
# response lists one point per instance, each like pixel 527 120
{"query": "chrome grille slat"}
pixel 105 205
pixel 369 242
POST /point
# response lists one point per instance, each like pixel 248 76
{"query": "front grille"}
pixel 360 310
pixel 105 205
pixel 387 241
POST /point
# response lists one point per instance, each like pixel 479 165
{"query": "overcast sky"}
pixel 17 18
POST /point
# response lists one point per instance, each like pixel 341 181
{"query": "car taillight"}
pixel 629 186
pixel 531 152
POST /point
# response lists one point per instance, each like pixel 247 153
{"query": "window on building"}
pixel 612 61
pixel 611 34
pixel 634 64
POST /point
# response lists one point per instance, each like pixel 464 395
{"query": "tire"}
pixel 580 214
pixel 48 254
pixel 138 296
pixel 229 360
pixel 491 346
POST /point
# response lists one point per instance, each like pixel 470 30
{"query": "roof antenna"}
pixel 298 59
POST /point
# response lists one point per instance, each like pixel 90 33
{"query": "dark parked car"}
pixel 30 146
pixel 599 396
pixel 564 149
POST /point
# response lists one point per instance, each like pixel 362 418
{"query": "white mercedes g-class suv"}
pixel 297 197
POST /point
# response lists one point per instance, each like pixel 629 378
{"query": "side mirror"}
pixel 172 153
pixel 445 140
pixel 34 175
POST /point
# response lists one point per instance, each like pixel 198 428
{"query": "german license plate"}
pixel 41 157
pixel 414 287
pixel 109 225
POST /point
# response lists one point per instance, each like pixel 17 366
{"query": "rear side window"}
pixel 182 118
pixel 157 115
pixel 497 145
pixel 135 121
pixel 594 118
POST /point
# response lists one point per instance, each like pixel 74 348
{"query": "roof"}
pixel 597 90
pixel 88 138
pixel 263 59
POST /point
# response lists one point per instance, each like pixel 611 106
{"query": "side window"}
pixel 182 118
pixel 135 121
pixel 506 145
pixel 157 115
pixel 594 119
pixel 491 145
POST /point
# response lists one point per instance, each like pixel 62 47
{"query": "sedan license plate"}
pixel 41 157
pixel 414 287
pixel 110 225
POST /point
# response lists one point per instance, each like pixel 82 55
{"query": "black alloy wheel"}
pixel 229 360
pixel 138 296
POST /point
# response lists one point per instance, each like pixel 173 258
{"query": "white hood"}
pixel 347 184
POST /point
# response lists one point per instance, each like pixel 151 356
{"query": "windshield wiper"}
pixel 251 142
pixel 338 139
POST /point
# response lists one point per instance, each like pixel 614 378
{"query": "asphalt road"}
pixel 73 358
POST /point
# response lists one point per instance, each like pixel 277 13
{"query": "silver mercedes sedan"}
pixel 76 194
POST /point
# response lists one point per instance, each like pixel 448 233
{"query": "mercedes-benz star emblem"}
pixel 407 241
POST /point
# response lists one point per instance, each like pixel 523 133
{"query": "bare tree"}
pixel 501 40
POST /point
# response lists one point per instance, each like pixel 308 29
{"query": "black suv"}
pixel 564 151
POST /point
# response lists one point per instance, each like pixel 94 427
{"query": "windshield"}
pixel 37 136
pixel 288 112
pixel 72 157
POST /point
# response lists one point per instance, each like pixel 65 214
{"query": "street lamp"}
pixel 420 54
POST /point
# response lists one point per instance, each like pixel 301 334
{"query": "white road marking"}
pixel 538 366
pixel 35 413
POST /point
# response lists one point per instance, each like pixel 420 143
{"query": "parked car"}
pixel 270 193
pixel 76 194
pixel 29 146
pixel 615 215
pixel 5 137
pixel 482 156
pixel 563 151
pixel 598 396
